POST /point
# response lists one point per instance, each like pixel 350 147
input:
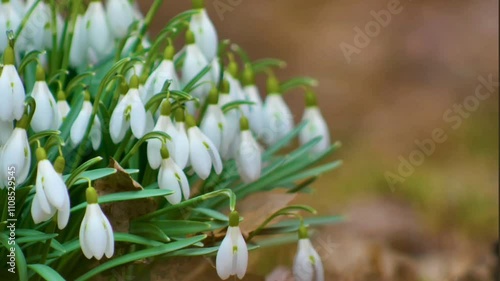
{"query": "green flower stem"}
pixel 283 212
pixel 79 170
pixel 194 201
pixel 68 37
pixel 159 135
pixel 147 23
pixel 123 145
pixel 26 18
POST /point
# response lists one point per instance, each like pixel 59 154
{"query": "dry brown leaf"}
pixel 120 213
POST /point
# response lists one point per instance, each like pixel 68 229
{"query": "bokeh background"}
pixel 441 221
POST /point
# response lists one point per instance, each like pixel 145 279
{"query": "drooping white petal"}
pixel 79 43
pixel 63 108
pixel 198 154
pixel 99 35
pixel 307 264
pixel 63 213
pixel 194 62
pixel 316 127
pixel 248 157
pixel 6 128
pixel 120 14
pixel 255 111
pixel 279 119
pixel 118 126
pixel 41 197
pixel 154 84
pixel 16 153
pixel 137 114
pixel 224 258
pixel 81 123
pixel 110 240
pixel 213 125
pixel 83 230
pixel 181 143
pixel 241 256
pixel 53 185
pixel 46 115
pixel 95 234
pixel 13 94
pixel 167 179
pixel 37 213
pixel 96 133
pixel 205 34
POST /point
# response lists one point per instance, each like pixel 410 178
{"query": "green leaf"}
pixel 92 175
pixel 21 265
pixel 149 230
pixel 264 64
pixel 142 254
pixel 315 172
pixel 293 225
pixel 135 239
pixel 235 104
pixel 298 82
pixel 126 196
pixel 181 228
pixel 75 174
pixel 191 85
pixel 37 238
pixel 47 272
pixel 284 141
pixel 212 214
pixel 30 57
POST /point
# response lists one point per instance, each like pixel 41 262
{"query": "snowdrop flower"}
pixel 164 124
pixel 32 37
pixel 255 111
pixel 202 152
pixel 62 105
pixel 16 153
pixel 6 128
pixel 214 122
pixel 235 86
pixel 248 155
pixel 120 14
pixel 172 177
pixel 316 125
pixel 180 140
pixel 232 256
pixel 98 34
pixel 12 91
pixel 194 62
pixel 96 233
pixel 128 113
pixel 46 115
pixel 9 20
pixel 79 128
pixel 204 31
pixel 307 265
pixel 51 193
pixel 165 71
pixel 276 112
pixel 232 122
pixel 79 44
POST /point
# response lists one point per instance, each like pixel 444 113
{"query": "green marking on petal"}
pixel 177 177
pixel 312 259
pixel 221 126
pixel 235 249
pixel 206 145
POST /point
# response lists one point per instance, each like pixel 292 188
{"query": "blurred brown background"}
pixel 440 223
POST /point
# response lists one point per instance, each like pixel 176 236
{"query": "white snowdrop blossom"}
pixel 96 233
pixel 180 140
pixel 62 105
pixel 316 125
pixel 12 91
pixel 51 194
pixel 255 111
pixel 9 20
pixel 129 113
pixel 6 128
pixel 214 122
pixel 16 153
pixel 46 115
pixel 279 118
pixel 204 31
pixel 121 15
pixel 248 156
pixel 79 44
pixel 307 265
pixel 202 152
pixel 194 62
pixel 79 128
pixel 232 256
pixel 165 71
pixel 173 178
pixel 232 117
pixel 164 124
pixel 98 33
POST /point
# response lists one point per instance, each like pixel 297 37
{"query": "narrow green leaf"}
pixel 298 82
pixel 142 254
pixel 135 239
pixel 126 196
pixel 92 175
pixel 235 104
pixel 211 214
pixel 191 85
pixel 264 64
pixel 180 228
pixel 47 272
